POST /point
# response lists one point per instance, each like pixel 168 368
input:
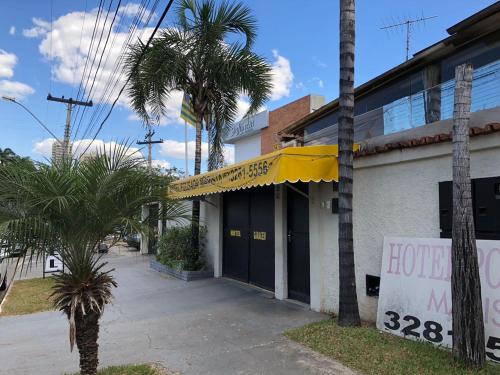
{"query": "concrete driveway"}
pixel 213 326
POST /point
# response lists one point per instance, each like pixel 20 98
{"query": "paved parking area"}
pixel 213 326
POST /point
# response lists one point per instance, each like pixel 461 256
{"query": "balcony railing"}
pixel 424 107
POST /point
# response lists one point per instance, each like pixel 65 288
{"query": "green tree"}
pixel 69 207
pixel 348 300
pixel 207 54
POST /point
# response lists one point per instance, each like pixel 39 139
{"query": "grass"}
pixel 28 297
pixel 373 352
pixel 142 369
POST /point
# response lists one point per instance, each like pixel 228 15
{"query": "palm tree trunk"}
pixel 87 333
pixel 468 325
pixel 348 300
pixel 195 223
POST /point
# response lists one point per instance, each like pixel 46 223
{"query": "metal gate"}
pixel 248 235
pixel 298 243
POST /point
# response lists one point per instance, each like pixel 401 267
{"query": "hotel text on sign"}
pixel 415 291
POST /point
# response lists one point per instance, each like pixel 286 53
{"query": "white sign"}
pixel 53 263
pixel 248 126
pixel 415 290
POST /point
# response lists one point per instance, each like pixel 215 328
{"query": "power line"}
pixel 132 28
pixel 102 54
pixel 134 68
pixel 113 81
pixel 80 85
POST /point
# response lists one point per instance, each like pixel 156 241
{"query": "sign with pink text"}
pixel 415 290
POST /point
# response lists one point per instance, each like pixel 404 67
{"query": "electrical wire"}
pixel 106 97
pixel 128 78
pixel 116 67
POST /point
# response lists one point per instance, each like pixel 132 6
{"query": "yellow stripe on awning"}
pixel 310 163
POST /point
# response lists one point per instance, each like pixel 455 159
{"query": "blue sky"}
pixel 300 39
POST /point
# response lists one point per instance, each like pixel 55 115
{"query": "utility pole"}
pixel 145 208
pixel 67 129
pixel 148 141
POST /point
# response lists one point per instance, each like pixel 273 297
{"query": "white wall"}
pixel 247 148
pixel 211 217
pixel 395 194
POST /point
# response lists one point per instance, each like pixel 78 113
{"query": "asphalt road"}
pixel 213 326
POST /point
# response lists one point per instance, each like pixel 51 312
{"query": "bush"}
pixel 175 250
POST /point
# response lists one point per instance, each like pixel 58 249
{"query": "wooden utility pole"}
pixel 468 324
pixel 148 141
pixel 67 128
pixel 348 300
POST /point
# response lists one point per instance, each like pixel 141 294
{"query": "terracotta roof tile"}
pixel 426 140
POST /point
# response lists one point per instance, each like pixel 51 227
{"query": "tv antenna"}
pixel 408 25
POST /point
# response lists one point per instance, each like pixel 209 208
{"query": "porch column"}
pixel 315 239
pixel 280 243
pixel 213 216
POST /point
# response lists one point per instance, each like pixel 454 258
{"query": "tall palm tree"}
pixel 468 323
pixel 69 207
pixel 207 54
pixel 348 300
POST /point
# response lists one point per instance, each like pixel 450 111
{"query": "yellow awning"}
pixel 310 163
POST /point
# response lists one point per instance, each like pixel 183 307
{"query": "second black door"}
pixel 248 248
pixel 298 243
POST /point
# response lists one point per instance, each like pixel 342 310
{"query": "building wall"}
pixel 395 194
pixel 284 116
pixel 247 147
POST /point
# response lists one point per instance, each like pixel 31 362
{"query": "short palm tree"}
pixel 69 207
pixel 208 55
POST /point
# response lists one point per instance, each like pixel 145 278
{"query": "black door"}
pixel 298 244
pixel 235 238
pixel 248 238
pixel 262 237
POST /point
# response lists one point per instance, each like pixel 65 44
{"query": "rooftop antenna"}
pixel 408 24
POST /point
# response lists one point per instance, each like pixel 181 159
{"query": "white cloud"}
pixel 7 63
pixel 131 10
pixel 44 147
pixel 60 45
pixel 41 28
pixel 282 76
pixel 15 89
pixel 321 83
pixel 175 149
pixel 163 164
pixel 12 30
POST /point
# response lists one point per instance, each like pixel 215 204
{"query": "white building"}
pixel 284 237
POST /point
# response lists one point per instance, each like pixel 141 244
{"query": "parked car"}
pixel 102 247
pixel 8 251
pixel 133 240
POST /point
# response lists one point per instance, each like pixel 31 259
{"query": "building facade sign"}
pixel 415 290
pixel 248 126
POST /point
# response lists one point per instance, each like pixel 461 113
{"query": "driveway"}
pixel 213 326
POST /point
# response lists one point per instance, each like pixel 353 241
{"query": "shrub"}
pixel 175 250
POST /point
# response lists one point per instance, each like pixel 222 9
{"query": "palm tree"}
pixel 348 300
pixel 69 207
pixel 467 314
pixel 207 54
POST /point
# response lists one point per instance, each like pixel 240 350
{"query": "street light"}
pixel 13 100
